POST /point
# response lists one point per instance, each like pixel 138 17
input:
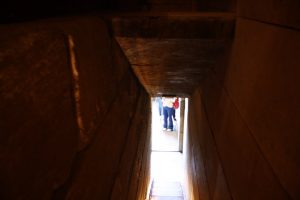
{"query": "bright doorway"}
pixel 167 170
pixel 163 140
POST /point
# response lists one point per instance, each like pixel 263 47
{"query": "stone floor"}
pixel 166 191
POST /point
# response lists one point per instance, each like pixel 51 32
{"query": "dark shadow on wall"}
pixel 41 140
pixel 21 11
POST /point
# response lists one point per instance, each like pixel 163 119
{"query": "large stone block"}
pixel 239 151
pixel 140 177
pixel 100 162
pixel 52 73
pixel 197 165
pixel 129 162
pixel 38 127
pixel 216 181
pixel 263 81
pixel 99 69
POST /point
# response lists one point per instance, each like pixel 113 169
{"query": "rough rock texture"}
pixel 45 151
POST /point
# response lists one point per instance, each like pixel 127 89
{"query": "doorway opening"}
pixel 166 139
pixel 167 166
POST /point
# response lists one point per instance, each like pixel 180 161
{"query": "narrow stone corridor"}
pixel 76 81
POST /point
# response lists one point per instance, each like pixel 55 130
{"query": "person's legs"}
pixel 165 112
pixel 173 113
pixel 170 125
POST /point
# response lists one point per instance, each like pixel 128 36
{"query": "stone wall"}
pixel 244 120
pixel 73 117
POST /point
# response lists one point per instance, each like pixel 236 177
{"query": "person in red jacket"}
pixel 175 106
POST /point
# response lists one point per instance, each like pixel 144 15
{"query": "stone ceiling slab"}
pixel 174 25
pixel 171 66
pixel 171 53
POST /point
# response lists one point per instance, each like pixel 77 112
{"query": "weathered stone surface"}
pixel 126 170
pixel 197 163
pixel 251 101
pixel 99 76
pixel 140 177
pixel 242 160
pixel 100 65
pixel 189 184
pixel 38 131
pixel 171 66
pixel 171 53
pixel 267 96
pixel 204 148
pixel 100 162
pixel 98 72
